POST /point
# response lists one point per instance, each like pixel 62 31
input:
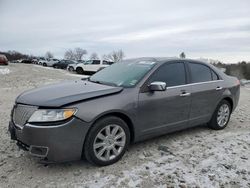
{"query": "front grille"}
pixel 21 114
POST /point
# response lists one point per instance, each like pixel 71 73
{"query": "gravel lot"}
pixel 196 157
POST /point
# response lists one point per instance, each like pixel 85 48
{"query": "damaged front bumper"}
pixel 57 143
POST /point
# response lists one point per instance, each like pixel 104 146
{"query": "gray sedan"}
pixel 125 103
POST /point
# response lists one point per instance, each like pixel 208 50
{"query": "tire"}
pixel 215 122
pixel 44 64
pixel 79 70
pixel 106 147
pixel 71 69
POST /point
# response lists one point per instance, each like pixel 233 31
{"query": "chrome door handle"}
pixel 218 88
pixel 185 94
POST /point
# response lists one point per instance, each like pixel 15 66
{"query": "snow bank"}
pixel 4 71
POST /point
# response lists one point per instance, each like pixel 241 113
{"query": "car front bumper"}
pixel 57 143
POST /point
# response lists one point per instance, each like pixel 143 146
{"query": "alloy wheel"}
pixel 223 115
pixel 109 142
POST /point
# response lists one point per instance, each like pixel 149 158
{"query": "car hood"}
pixel 61 94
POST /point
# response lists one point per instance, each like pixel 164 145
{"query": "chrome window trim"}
pixel 197 83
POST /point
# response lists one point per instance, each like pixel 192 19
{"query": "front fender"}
pixel 124 103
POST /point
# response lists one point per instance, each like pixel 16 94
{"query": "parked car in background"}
pixel 35 61
pixel 3 60
pixel 50 62
pixel 244 82
pixel 97 118
pixel 42 61
pixel 14 61
pixel 63 64
pixel 72 67
pixel 92 66
pixel 80 61
pixel 27 61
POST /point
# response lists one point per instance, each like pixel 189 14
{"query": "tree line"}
pixel 70 54
pixel 14 55
pixel 241 70
pixel 79 54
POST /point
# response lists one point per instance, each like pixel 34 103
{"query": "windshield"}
pixel 125 74
pixel 88 62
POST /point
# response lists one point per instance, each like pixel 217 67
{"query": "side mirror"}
pixel 157 86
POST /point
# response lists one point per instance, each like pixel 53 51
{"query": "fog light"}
pixel 39 151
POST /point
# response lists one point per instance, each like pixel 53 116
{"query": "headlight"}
pixel 49 115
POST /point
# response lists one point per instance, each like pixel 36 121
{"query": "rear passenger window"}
pixel 214 75
pixel 96 62
pixel 172 74
pixel 200 73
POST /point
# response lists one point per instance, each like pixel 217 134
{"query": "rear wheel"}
pixel 44 64
pixel 107 141
pixel 79 70
pixel 221 116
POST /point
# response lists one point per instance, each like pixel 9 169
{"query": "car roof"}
pixel 161 60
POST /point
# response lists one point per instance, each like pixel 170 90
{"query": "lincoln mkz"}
pixel 98 117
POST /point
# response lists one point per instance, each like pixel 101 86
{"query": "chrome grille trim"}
pixel 22 113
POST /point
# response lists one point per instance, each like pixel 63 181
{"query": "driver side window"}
pixel 173 74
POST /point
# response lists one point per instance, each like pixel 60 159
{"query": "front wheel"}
pixel 107 141
pixel 221 116
pixel 79 70
pixel 71 69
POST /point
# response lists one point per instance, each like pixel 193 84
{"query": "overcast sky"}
pixel 217 29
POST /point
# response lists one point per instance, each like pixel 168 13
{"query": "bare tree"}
pixel 69 54
pixel 48 55
pixel 182 55
pixel 76 54
pixel 114 56
pixel 93 56
pixel 14 55
pixel 79 53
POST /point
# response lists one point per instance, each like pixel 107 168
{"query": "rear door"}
pixel 206 92
pixel 165 111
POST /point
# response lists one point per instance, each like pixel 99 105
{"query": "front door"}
pixel 165 111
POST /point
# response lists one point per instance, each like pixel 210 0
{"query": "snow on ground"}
pixel 4 70
pixel 197 157
pixel 77 75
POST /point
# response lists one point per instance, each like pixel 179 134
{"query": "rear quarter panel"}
pixel 231 86
pixel 233 90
